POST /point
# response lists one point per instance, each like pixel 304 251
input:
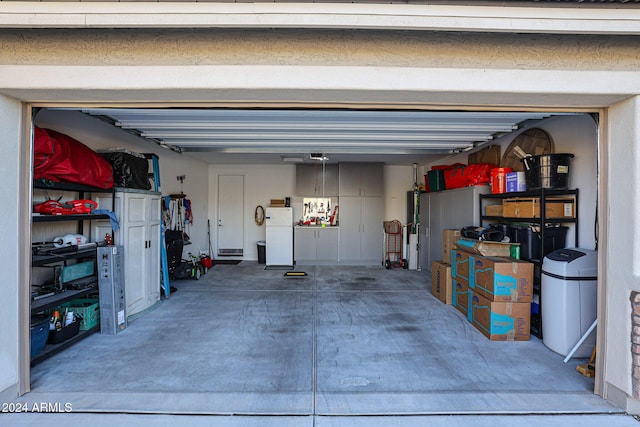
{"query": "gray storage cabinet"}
pixel 316 245
pixel 361 230
pixel 309 180
pixel 442 210
pixel 361 179
pixel 361 213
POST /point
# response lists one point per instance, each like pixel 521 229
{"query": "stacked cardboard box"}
pixel 494 293
pixel 277 203
pixel 501 299
pixel 501 321
pixel 449 239
pixel 441 283
pixel 493 210
pixel 503 279
pixel 462 277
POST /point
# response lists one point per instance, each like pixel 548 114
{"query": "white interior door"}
pixel 230 215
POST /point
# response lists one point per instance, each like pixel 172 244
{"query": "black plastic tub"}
pixel 71 330
pixel 531 241
pixel 547 171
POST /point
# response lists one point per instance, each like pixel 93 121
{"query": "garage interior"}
pixel 342 340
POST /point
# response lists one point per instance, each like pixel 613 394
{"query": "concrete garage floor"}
pixel 341 346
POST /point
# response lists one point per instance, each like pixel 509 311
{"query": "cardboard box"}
pixel 277 203
pixel 501 321
pixel 485 248
pixel 503 279
pixel 461 265
pixel 441 286
pixel 516 182
pixel 529 207
pixel 461 297
pixel 449 239
pixel 493 210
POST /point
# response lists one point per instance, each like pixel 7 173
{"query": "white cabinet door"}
pixel 153 270
pixel 138 214
pixel 135 267
pixel 136 248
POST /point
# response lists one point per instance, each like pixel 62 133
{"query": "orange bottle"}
pixel 56 321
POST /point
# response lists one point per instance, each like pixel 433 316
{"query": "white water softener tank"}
pixel 569 300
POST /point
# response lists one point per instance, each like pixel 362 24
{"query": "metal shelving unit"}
pixel 40 304
pixel 542 221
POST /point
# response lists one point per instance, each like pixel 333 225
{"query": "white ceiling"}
pixel 289 135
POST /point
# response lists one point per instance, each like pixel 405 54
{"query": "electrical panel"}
pixel 113 306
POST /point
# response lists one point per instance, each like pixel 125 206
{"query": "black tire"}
pixel 405 264
pixel 197 274
pixel 387 264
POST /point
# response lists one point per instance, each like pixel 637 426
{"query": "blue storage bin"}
pixel 39 335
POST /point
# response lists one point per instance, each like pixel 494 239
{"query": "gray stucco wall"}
pixel 315 47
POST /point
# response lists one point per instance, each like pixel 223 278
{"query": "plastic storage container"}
pixel 434 180
pixel 39 335
pixel 88 311
pixel 56 337
pixel 547 171
pixel 569 300
pixel 507 230
pixel 531 240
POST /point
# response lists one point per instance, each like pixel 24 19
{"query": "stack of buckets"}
pixel 498 178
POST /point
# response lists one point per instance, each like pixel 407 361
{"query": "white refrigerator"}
pixel 279 238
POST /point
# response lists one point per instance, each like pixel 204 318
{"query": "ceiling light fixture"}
pixel 292 159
